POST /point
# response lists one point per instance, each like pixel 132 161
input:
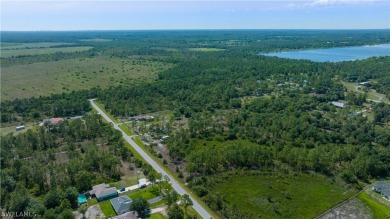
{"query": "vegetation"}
pixel 45 78
pixel 274 196
pixel 139 205
pixel 8 53
pixel 107 209
pixel 231 111
pixel 378 209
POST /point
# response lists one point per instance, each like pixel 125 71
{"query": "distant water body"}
pixel 336 54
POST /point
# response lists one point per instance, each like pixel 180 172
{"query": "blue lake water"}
pixel 336 54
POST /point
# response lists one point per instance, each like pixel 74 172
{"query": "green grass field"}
pixel 96 40
pixel 126 130
pixel 284 196
pixel 205 49
pixel 14 46
pixel 379 210
pixel 146 193
pixel 371 94
pixel 157 216
pixel 107 208
pixel 108 114
pixel 7 53
pixel 44 78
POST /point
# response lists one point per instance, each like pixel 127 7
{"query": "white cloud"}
pixel 335 2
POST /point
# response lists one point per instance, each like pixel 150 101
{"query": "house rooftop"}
pixel 382 187
pixel 121 204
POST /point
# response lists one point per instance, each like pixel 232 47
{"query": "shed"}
pixel 338 104
pixel 18 128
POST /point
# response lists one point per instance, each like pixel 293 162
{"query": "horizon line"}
pixel 193 29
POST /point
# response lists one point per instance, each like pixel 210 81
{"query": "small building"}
pixel 103 192
pixel 382 188
pixel 338 104
pixel 121 204
pixel 366 83
pixel 18 128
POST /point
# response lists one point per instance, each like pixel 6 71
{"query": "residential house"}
pixel 121 204
pixel 53 121
pixel 383 188
pixel 103 192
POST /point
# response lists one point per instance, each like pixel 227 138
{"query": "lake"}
pixel 336 54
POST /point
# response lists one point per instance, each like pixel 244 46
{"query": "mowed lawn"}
pixel 44 78
pixel 107 208
pixel 378 209
pixel 267 196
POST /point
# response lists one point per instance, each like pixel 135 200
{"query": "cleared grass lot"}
pixel 44 78
pixel 13 46
pixel 205 49
pixel 282 196
pixel 7 53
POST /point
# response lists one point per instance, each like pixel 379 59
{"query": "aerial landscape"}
pixel 195 109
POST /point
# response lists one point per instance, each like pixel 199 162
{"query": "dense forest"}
pixel 44 169
pixel 245 112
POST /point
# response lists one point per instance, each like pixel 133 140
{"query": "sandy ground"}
pixel 353 209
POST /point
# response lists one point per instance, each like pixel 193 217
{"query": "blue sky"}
pixel 186 14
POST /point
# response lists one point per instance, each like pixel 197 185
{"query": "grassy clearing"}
pixel 157 216
pixel 107 208
pixel 7 53
pixel 146 193
pixel 108 114
pixel 45 78
pixel 127 181
pixel 379 210
pixel 92 201
pixel 283 196
pixel 126 130
pixel 206 49
pixel 13 46
pixel 96 40
pixel 371 94
pixel 5 130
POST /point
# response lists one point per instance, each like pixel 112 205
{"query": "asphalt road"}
pixel 176 186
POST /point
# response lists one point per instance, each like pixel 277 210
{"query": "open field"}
pixel 378 209
pixel 13 46
pixel 146 193
pixel 96 40
pixel 371 94
pixel 282 196
pixel 7 53
pixel 5 130
pixel 41 79
pixel 206 49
